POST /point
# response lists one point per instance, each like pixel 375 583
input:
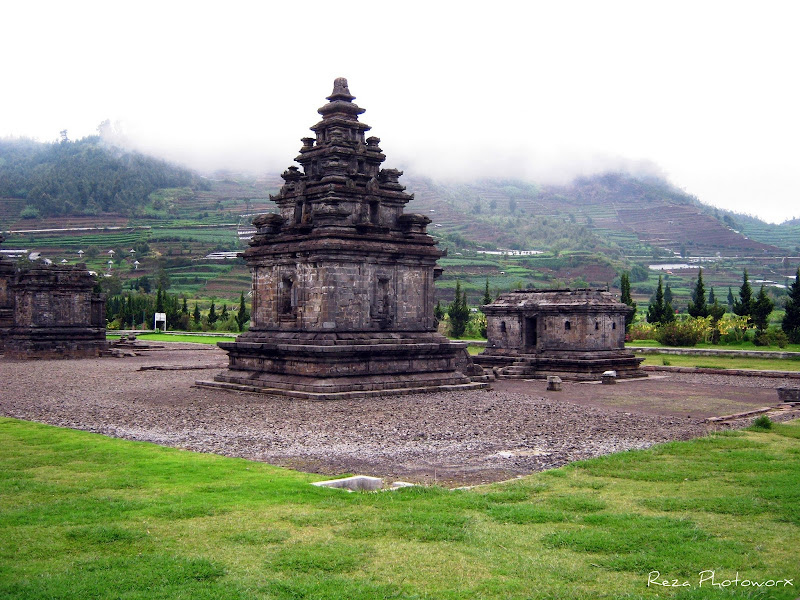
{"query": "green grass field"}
pixel 723 362
pixel 85 516
pixel 197 339
pixel 730 346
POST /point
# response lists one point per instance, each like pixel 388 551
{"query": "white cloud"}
pixel 706 91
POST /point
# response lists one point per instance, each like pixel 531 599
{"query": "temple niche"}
pixel 50 311
pixel 573 334
pixel 342 279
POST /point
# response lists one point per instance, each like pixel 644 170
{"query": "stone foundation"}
pixel 576 366
pixel 326 369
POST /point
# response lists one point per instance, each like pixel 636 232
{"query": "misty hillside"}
pixel 612 211
pixel 83 178
pixel 67 197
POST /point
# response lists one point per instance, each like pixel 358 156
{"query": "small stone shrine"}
pixel 50 311
pixel 343 280
pixel 572 334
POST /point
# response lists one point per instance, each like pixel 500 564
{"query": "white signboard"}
pixel 160 318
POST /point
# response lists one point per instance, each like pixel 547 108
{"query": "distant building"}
pixel 50 311
pixel 574 334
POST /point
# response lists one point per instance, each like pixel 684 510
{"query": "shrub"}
pixel 734 328
pixel 476 326
pixel 681 333
pixel 771 337
pixel 762 422
pixel 29 212
pixel 642 331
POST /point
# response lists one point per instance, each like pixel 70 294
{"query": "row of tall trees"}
pixel 132 309
pixel 749 311
pixel 757 308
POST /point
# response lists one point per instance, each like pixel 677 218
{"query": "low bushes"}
pixel 689 331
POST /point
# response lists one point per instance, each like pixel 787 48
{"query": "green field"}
pixel 168 337
pixel 85 516
pixel 723 362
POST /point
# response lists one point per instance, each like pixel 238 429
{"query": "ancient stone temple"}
pixel 343 280
pixel 573 334
pixel 50 311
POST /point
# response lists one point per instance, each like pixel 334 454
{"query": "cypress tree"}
pixel 762 308
pixel 223 316
pixel 458 312
pixel 196 314
pixel 791 320
pixel 730 298
pixel 659 310
pixel 697 305
pixel 625 296
pixel 242 316
pixel 667 295
pixel 185 307
pixel 711 297
pixel 160 300
pixel 744 306
pixel 212 314
pixel 655 310
pixel 487 296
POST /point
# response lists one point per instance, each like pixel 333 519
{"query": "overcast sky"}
pixel 704 93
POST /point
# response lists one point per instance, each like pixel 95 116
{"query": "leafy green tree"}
pixel 697 305
pixel 458 311
pixel 212 314
pixel 744 305
pixel 162 279
pixel 762 308
pixel 791 320
pixel 639 273
pixel 625 296
pixel 242 316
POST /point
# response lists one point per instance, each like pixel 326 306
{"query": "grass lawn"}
pixel 199 339
pixel 85 516
pixel 722 362
pixel 732 346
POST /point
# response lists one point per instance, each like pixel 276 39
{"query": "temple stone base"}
pixel 569 365
pixel 56 342
pixel 333 366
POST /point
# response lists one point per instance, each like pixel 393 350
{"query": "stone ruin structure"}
pixel 572 334
pixel 50 311
pixel 343 280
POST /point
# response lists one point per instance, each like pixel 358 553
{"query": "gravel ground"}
pixel 448 438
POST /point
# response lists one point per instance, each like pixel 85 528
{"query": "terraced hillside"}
pixel 587 233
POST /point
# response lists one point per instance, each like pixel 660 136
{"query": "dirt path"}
pixel 450 438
